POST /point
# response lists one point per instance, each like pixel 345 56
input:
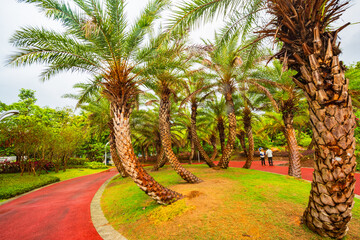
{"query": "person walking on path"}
pixel 269 155
pixel 262 157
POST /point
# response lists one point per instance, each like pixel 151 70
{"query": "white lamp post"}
pixel 8 114
pixel 105 152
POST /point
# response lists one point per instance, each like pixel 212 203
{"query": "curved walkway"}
pixel 62 210
pixel 59 211
pixel 306 173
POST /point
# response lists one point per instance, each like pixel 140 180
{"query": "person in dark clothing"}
pixel 262 157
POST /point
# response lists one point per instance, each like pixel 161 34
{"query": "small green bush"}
pixel 77 161
pixel 95 165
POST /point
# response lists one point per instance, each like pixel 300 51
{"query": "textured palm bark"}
pixel 118 164
pixel 290 136
pixel 241 137
pixel 164 125
pixel 249 134
pixel 225 157
pixel 161 160
pixel 311 48
pixel 195 137
pixel 132 166
pixel 332 192
pixel 213 143
pixel 115 157
pixel 221 129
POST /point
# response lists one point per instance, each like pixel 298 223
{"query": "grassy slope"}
pixel 13 184
pixel 230 204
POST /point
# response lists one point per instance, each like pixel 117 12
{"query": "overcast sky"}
pixel 14 15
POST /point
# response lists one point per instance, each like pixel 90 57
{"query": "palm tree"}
pixel 248 102
pixel 225 61
pixel 97 40
pixel 196 86
pixel 287 98
pixel 310 47
pixel 163 78
pixel 98 108
pixel 215 111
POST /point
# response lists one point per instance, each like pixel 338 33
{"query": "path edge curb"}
pixel 101 224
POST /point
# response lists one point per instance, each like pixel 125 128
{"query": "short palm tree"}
pixel 287 97
pixel 98 40
pixel 197 89
pixel 215 110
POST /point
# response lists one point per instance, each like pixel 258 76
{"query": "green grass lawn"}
pixel 12 184
pixel 230 204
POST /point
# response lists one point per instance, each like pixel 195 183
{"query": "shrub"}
pixel 9 167
pixel 95 165
pixel 10 187
pixel 77 161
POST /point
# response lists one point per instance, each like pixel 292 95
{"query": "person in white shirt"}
pixel 269 155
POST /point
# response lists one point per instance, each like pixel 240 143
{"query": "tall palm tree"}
pixel 225 61
pixel 310 47
pixel 98 40
pixel 163 78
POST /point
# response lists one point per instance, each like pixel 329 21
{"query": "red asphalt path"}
pixel 306 173
pixel 60 211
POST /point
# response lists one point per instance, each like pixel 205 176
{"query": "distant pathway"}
pixel 57 212
pixel 306 173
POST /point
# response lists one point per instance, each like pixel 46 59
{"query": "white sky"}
pixel 14 15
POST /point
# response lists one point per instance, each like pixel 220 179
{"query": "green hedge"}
pixel 95 165
pixel 12 185
pixel 77 161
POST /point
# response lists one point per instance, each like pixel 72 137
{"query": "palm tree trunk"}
pixel 161 160
pixel 332 190
pixel 192 153
pixel 225 157
pixel 195 137
pixel 164 126
pixel 241 137
pixel 290 135
pixel 249 134
pixel 311 48
pixel 131 164
pixel 114 155
pixel 213 143
pixel 221 129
